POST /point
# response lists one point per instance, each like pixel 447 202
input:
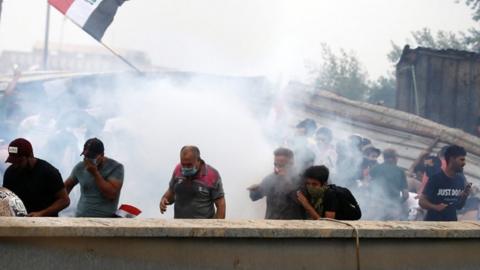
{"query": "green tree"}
pixel 475 6
pixel 467 41
pixel 425 38
pixel 472 38
pixel 383 91
pixel 341 73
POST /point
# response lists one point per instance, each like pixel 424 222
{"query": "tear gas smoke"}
pixel 143 124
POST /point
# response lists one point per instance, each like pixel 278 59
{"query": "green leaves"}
pixel 475 6
pixel 341 73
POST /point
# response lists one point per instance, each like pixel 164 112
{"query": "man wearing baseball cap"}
pixel 36 182
pixel 100 179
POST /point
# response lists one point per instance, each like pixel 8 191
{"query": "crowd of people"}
pixel 434 190
pixel 316 172
pixel 313 177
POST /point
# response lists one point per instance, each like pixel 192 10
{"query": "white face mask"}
pixel 189 171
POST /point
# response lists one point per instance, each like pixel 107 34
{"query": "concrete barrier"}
pixel 80 243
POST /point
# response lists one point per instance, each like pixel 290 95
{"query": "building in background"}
pixel 440 85
pixel 72 58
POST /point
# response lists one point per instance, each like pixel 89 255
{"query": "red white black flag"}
pixel 94 16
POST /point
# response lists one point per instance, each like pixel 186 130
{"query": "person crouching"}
pixel 316 198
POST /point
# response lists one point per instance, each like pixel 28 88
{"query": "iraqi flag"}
pixel 93 16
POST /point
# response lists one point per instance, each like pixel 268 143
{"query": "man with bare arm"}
pixel 100 179
pixel 446 191
pixel 195 188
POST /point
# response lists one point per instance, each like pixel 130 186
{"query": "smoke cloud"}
pixel 143 123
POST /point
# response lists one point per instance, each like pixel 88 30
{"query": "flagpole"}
pixel 100 41
pixel 1 2
pixel 45 45
pixel 121 57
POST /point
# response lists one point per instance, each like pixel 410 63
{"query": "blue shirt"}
pixel 442 189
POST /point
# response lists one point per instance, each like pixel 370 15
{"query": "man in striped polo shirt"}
pixel 195 188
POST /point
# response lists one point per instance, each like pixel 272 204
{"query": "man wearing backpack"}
pixel 317 199
pixel 321 200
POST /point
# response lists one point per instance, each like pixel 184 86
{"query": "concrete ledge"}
pixel 100 227
pixel 132 244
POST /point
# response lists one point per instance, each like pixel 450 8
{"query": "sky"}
pixel 274 38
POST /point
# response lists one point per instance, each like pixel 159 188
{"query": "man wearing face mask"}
pixel 36 182
pixel 280 188
pixel 100 179
pixel 433 165
pixel 317 199
pixel 195 188
pixel 370 156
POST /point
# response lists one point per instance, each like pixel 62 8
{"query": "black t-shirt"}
pixel 36 186
pixel 442 189
pixel 390 180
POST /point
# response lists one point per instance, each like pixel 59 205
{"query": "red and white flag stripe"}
pixel 94 16
pixel 77 10
pixel 80 11
pixel 128 211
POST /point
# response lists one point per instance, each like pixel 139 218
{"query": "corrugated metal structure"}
pixel 440 85
pixel 409 134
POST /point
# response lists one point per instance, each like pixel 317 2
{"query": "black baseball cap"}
pixel 92 148
pixel 19 148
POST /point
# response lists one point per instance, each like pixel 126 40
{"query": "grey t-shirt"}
pixel 92 203
pixel 281 193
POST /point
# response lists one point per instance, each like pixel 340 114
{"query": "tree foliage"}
pixel 341 73
pixel 383 91
pixel 475 6
pixel 468 41
pixel 472 37
pixel 439 40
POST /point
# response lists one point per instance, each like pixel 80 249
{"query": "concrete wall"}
pixel 60 243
